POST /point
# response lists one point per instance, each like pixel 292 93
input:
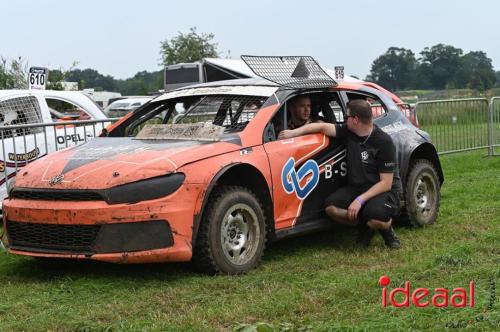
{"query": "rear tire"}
pixel 422 194
pixel 232 235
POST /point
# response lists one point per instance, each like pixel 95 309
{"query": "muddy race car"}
pixel 212 184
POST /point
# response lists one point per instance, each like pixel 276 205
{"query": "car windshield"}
pixel 231 113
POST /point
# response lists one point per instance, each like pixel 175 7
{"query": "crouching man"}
pixel 371 197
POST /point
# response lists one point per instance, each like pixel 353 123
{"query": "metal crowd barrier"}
pixel 22 144
pixel 456 125
pixel 494 131
pixel 409 111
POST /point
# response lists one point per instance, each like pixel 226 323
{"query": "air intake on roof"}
pixel 297 72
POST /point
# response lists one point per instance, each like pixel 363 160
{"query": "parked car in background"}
pixel 37 108
pixel 67 103
pixel 121 107
pixel 213 184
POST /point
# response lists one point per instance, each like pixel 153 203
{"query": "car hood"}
pixel 107 162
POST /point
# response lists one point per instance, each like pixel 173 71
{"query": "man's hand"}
pixel 286 134
pixel 353 210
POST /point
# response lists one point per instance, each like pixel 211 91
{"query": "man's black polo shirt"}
pixel 369 156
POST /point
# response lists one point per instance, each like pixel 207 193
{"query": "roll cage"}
pixel 233 112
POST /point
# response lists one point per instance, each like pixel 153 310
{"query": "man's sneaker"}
pixel 390 238
pixel 365 235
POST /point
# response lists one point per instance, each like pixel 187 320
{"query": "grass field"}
pixel 320 282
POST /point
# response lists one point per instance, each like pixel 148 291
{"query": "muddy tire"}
pixel 422 194
pixel 232 235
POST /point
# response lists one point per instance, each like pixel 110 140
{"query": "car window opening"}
pixel 231 112
pixel 378 108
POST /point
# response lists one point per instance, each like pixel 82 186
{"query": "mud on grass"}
pixel 320 282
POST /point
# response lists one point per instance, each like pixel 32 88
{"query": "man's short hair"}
pixel 360 108
pixel 295 99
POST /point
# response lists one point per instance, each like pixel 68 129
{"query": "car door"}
pixel 305 170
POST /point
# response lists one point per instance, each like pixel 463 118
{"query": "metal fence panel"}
pixel 455 124
pixel 409 111
pixel 494 127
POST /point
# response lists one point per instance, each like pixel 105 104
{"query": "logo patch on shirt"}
pixel 364 156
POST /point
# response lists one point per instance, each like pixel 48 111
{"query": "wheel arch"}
pixel 424 151
pixel 240 174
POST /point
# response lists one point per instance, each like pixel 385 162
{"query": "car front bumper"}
pixel 146 232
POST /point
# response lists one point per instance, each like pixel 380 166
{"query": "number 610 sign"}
pixel 37 78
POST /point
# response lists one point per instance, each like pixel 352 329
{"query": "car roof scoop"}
pixel 294 72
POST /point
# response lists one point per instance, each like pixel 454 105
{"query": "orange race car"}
pixel 199 174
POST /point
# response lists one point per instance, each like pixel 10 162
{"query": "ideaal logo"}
pixel 423 297
pixel 291 179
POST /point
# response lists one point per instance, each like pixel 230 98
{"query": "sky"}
pixel 120 38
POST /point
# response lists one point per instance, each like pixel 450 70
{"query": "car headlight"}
pixel 145 189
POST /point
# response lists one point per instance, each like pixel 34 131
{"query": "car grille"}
pixel 56 195
pixel 52 237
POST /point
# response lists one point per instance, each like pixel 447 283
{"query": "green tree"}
pixel 188 47
pixel 142 83
pixel 4 76
pixel 475 72
pixel 91 78
pixel 442 61
pixel 395 69
pixel 56 79
pixel 13 73
pixel 423 77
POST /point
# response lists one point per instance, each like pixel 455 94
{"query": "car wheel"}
pixel 422 194
pixel 232 234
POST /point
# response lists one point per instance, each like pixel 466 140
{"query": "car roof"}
pixel 254 81
pixel 348 84
pixel 263 82
pixel 257 81
pixel 44 93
